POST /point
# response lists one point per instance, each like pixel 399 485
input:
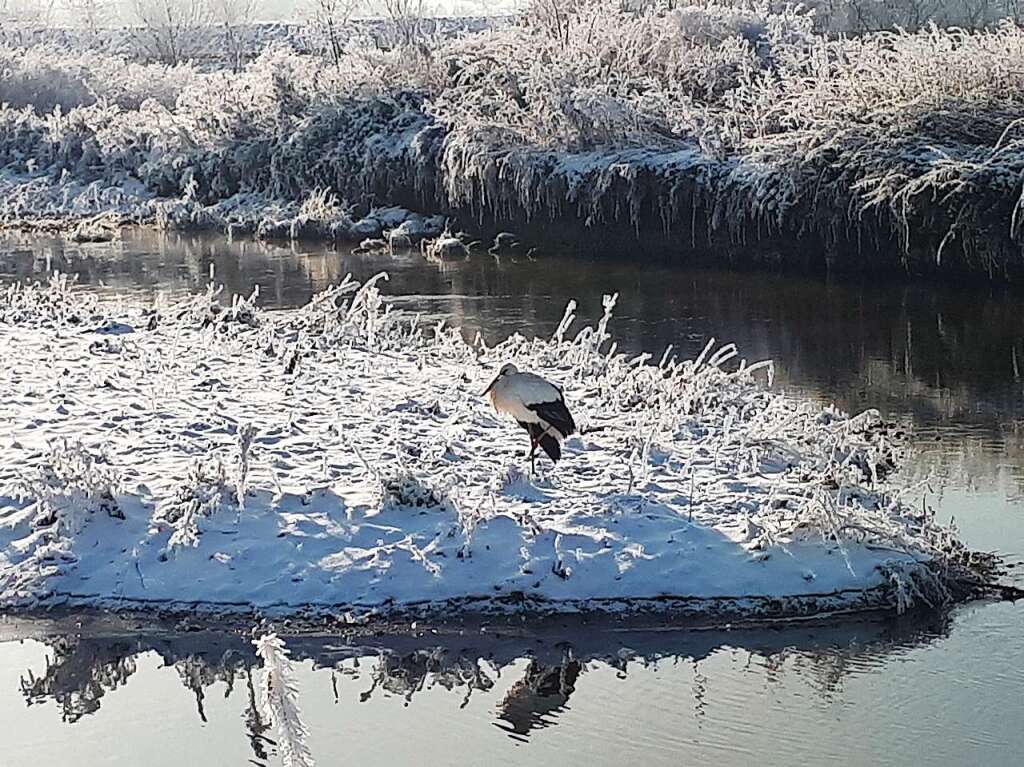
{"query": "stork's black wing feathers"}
pixel 556 414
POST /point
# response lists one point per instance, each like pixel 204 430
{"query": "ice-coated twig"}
pixel 278 694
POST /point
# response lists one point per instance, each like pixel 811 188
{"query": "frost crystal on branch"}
pixel 278 694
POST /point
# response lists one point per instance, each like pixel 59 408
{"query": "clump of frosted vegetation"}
pixel 55 494
pixel 200 495
pixel 48 304
pixel 68 485
pixel 407 490
pixel 278 697
pixel 45 77
pixel 712 119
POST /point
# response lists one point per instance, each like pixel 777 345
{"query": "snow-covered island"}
pixel 210 456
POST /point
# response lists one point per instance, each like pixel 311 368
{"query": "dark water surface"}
pixel 936 690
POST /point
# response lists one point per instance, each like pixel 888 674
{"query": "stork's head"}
pixel 507 369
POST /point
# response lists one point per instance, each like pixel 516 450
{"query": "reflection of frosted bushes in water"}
pixel 256 724
pixel 80 671
pixel 410 673
pixel 79 674
pixel 278 701
pixel 542 690
pixel 197 673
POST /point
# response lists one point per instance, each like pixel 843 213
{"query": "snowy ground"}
pixel 211 454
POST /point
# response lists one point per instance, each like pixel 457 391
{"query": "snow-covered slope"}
pixel 340 456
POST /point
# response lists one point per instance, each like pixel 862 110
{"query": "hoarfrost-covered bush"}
pixel 408 490
pixel 350 314
pixel 49 305
pixel 717 120
pixel 45 77
pixel 199 496
pixel 70 484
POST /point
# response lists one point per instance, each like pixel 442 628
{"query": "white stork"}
pixel 537 405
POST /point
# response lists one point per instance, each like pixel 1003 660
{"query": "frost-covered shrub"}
pixel 199 496
pixel 70 485
pixel 350 314
pixel 719 119
pixel 244 437
pixel 47 76
pixel 49 305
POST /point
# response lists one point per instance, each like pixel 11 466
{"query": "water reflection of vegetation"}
pixel 79 674
pixel 541 692
pixel 83 668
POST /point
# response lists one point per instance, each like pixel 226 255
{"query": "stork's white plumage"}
pixel 537 405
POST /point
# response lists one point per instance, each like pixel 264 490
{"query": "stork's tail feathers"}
pixel 548 442
pixel 551 446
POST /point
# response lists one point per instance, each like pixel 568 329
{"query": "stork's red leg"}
pixel 533 450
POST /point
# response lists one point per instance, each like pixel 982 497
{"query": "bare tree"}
pixel 973 14
pixel 553 17
pixel 91 15
pixel 405 25
pixel 912 15
pixel 330 18
pixel 171 30
pixel 407 18
pixel 232 17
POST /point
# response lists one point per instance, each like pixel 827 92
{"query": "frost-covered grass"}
pixel 710 123
pixel 209 453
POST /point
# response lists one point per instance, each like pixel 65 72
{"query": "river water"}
pixel 923 690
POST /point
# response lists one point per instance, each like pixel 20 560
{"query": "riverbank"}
pixel 698 134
